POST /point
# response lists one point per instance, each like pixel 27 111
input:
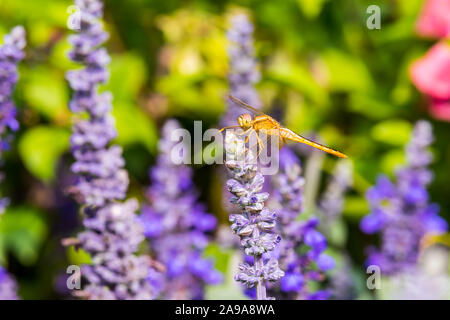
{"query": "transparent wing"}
pixel 246 106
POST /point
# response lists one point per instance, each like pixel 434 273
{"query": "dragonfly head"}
pixel 245 121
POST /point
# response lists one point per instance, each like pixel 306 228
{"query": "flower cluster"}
pixel 428 280
pixel 431 73
pixel 301 251
pixel 8 286
pixel 434 20
pixel 113 231
pixel 401 211
pixel 11 52
pixel 177 225
pixel 243 72
pixel 100 168
pixel 255 224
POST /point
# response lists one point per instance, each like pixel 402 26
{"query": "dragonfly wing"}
pixel 245 105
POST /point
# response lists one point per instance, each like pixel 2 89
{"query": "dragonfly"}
pixel 263 123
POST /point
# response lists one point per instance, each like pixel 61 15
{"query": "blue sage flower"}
pixel 301 253
pixel 112 230
pixel 401 211
pixel 177 225
pixel 8 286
pixel 11 52
pixel 243 72
pixel 254 224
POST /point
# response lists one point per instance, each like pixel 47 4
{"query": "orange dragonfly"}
pixel 268 125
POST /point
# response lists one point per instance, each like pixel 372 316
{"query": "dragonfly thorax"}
pixel 245 121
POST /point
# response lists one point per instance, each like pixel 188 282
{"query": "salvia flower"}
pixel 401 211
pixel 11 52
pixel 178 225
pixel 113 231
pixel 255 223
pixel 8 286
pixel 301 253
pixel 243 72
pixel 428 280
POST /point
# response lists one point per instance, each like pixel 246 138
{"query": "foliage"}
pixel 323 73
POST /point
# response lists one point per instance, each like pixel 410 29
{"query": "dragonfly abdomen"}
pixel 290 135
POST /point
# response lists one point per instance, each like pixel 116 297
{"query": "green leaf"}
pixel 40 148
pixel 395 132
pixel 311 8
pixel 22 231
pixel 370 106
pixel 287 72
pixel 78 256
pixel 355 207
pixel 46 92
pixel 134 126
pixel 392 160
pixel 347 72
pixel 128 74
pixel 220 257
pixel 192 95
pixel 229 289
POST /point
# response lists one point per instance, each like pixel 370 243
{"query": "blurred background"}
pixel 324 74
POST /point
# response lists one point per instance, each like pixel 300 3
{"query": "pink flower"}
pixel 434 20
pixel 440 109
pixel 431 73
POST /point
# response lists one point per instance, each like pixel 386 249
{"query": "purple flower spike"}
pixel 177 225
pixel 401 211
pixel 8 286
pixel 302 247
pixel 11 52
pixel 243 72
pixel 112 230
pixel 254 224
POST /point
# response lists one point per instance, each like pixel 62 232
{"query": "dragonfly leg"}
pixel 229 127
pixel 260 144
pixel 245 132
pixel 282 142
pixel 248 137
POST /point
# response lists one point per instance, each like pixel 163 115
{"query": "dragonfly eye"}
pixel 245 120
